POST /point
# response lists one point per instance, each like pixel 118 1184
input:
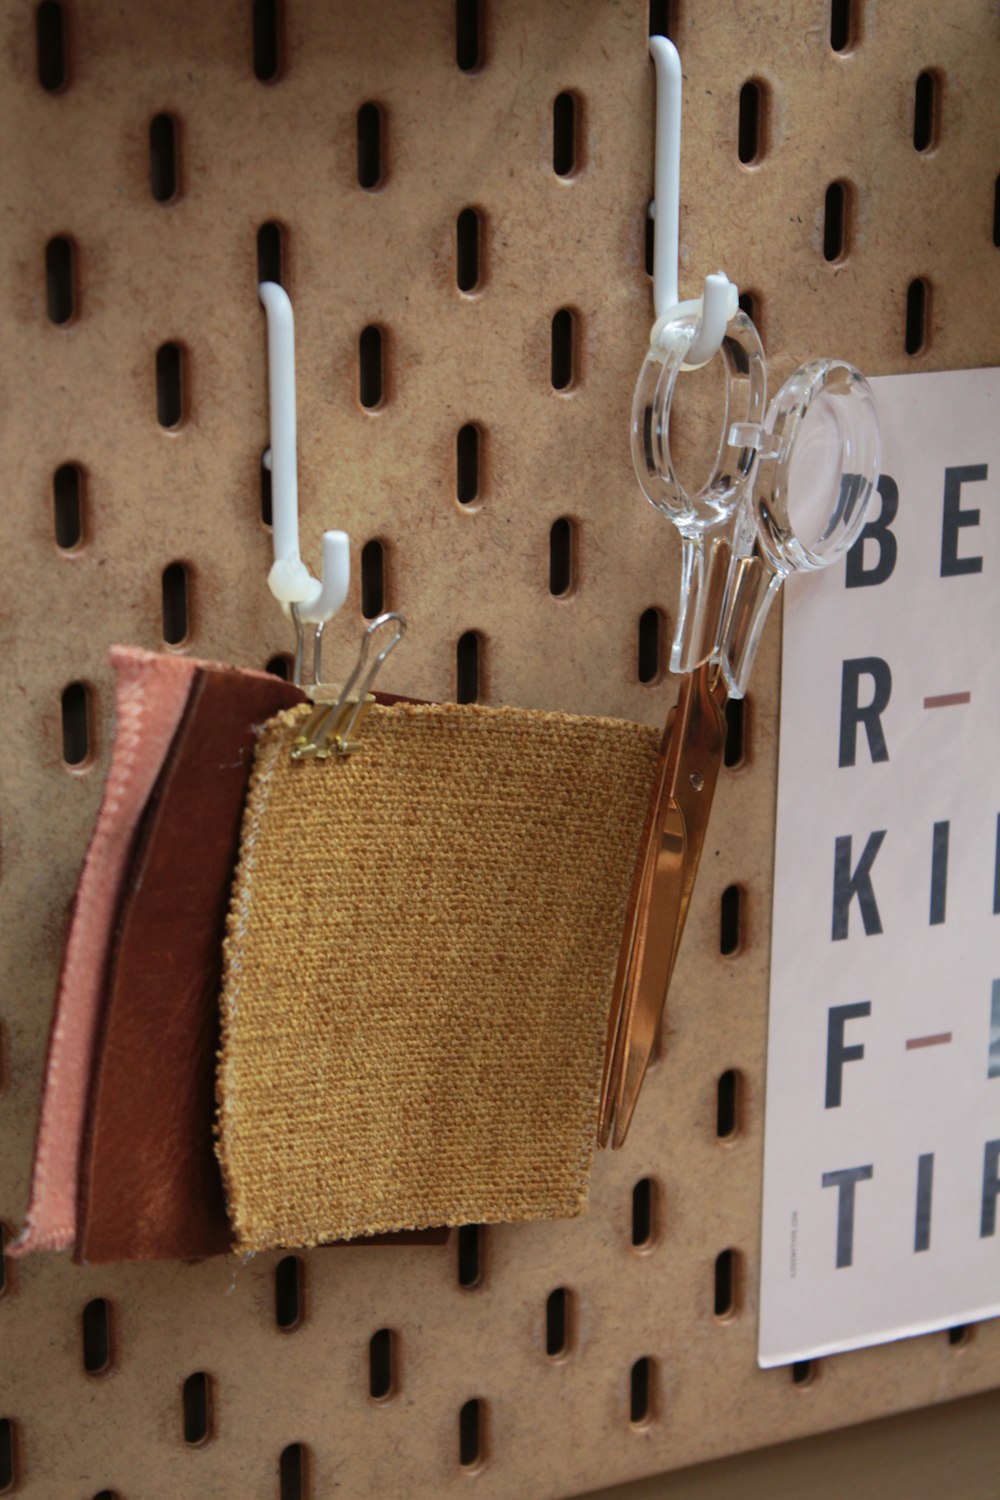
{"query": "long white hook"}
pixel 667 173
pixel 289 579
pixel 720 298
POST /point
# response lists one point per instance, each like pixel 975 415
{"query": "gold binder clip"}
pixel 333 728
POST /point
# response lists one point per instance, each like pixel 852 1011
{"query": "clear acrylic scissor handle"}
pixel 714 521
pixel 817 468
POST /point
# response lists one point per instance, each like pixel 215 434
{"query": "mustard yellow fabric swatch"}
pixel 421 948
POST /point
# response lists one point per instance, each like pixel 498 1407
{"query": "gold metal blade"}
pixel 638 896
pixel 694 759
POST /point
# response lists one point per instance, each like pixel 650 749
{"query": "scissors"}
pixel 789 492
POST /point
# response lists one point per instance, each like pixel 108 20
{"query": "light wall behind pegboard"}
pixel 455 197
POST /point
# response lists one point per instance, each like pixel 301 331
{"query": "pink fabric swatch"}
pixel 150 693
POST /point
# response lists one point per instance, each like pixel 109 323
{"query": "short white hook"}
pixel 720 298
pixel 289 579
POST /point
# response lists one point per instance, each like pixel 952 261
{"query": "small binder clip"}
pixel 333 728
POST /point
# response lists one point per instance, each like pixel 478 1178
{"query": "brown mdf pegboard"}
pixel 106 262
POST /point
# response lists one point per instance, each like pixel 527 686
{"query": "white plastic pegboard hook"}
pixel 720 298
pixel 289 580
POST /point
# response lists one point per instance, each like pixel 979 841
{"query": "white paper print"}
pixel 881 1212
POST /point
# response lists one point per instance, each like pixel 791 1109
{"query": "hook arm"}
pixel 282 460
pixel 720 298
pixel 289 580
pixel 667 173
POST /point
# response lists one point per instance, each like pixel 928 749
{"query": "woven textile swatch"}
pixel 422 943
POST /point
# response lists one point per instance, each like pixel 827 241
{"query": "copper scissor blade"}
pixel 693 761
pixel 636 903
pixel 636 924
pixel 620 1023
pixel 651 957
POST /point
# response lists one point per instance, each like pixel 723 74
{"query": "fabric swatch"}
pixel 150 694
pixel 149 1181
pixel 421 949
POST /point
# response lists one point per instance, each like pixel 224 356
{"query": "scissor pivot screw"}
pixel 697 780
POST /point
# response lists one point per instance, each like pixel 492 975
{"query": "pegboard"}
pixel 457 196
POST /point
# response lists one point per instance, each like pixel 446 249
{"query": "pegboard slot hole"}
pixel 650 646
pixel 369 146
pixel 736 728
pixel 467 668
pixel 266 511
pixel 196 1402
pixel 470 1267
pixel 750 304
pixel 641 1391
pixel 467 236
pixel 730 920
pixel 76 714
pixel 289 1273
pixel 752 122
pixel 561 550
pixel 835 220
pixel 280 666
pixel 649 239
pixel 468 40
pixel 175 604
pixel 266 40
pixel 269 252
pixel 960 1336
pixel 293 1472
pixel 563 363
pixel 67 505
pixel 804 1372
pixel 8 1471
pixel 467 464
pixel 50 37
pixel 842 25
pixel 60 293
pixel 925 112
pixel 169 385
pixel 557 1323
pixel 643 1209
pixel 97 1336
pixel 380 1365
pixel 564 128
pixel 470 1436
pixel 726 1285
pixel 370 368
pixel 916 316
pixel 996 213
pixel 728 1105
pixel 663 18
pixel 372 579
pixel 163 158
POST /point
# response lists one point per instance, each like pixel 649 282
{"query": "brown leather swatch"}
pixel 149 1182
